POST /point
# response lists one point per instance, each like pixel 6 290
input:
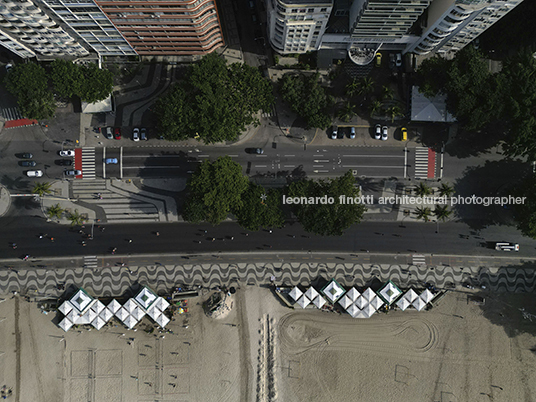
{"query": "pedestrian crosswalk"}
pixel 88 163
pixel 11 113
pixel 419 259
pixel 90 261
pixel 270 113
pixel 425 163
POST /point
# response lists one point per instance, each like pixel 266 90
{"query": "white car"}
pixel 334 132
pixel 352 132
pixel 136 134
pixel 385 134
pixel 399 60
pixel 34 173
pixel 67 152
pixel 73 172
pixel 378 132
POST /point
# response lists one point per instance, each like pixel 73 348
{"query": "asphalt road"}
pixel 376 237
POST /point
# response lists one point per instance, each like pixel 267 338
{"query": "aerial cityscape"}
pixel 267 200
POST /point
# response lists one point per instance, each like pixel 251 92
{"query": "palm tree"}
pixel 394 111
pixel 387 93
pixel 76 218
pixel 352 88
pixel 375 107
pixel 55 211
pixel 347 112
pixel 42 188
pixel 422 189
pixel 442 212
pixel 366 86
pixel 446 190
pixel 423 213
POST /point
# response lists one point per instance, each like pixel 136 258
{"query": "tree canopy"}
pixel 307 98
pixel 260 208
pixel 215 102
pixel 215 190
pixel 525 215
pixel 327 219
pixel 28 82
pixel 66 77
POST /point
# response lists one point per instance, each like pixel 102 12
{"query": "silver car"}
pixel 73 172
pixel 136 134
pixel 385 134
pixel 34 173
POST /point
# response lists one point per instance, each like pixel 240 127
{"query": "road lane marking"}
pixel 321 160
pixel 369 166
pixel 374 156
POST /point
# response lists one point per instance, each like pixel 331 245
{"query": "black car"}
pixel 27 156
pixel 28 163
pixel 143 134
pixel 65 162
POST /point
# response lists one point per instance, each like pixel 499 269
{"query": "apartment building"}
pixel 453 24
pixel 296 26
pixel 166 28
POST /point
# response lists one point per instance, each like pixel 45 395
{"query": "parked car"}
pixel 378 59
pixel 143 134
pixel 385 133
pixel 352 132
pixel 117 133
pixel 334 132
pixel 65 162
pixel 259 151
pixel 73 172
pixel 398 60
pixel 404 131
pixel 378 132
pixel 34 173
pixel 67 153
pixel 28 163
pixel 9 67
pixel 27 156
pixel 109 133
pixel 111 161
pixel 136 134
pixel 504 246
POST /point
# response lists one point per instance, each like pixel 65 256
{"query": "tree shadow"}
pixel 467 144
pixel 493 179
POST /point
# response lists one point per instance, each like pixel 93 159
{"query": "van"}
pixel 504 246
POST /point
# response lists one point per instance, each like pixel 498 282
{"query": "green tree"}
pixel 97 84
pixel 306 98
pixel 260 208
pixel 442 212
pixel 422 190
pixel 76 218
pixel 446 190
pixel 525 213
pixel 423 213
pixel 352 88
pixel 215 102
pixel 55 211
pixel 347 112
pixel 375 107
pixel 393 112
pixel 215 189
pixel 387 93
pixel 327 219
pixel 66 77
pixel 42 188
pixel 28 82
pixel 431 77
pixel 366 86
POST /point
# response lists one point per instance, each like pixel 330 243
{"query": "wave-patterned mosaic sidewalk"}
pixel 115 281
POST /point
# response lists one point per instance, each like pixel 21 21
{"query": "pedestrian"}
pixel 232 237
pixel 14 245
pixel 40 236
pixel 270 231
pixel 130 240
pixel 157 233
pixel 52 239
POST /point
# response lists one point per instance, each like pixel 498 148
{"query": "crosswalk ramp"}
pixel 419 259
pixel 425 163
pixel 88 163
pixel 91 262
pixel 11 113
pixel 119 205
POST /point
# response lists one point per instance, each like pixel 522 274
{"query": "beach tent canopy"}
pixel 361 302
pixel 122 314
pixel 146 297
pixel 138 313
pixel 295 293
pixel 65 307
pixel 377 302
pixel 114 306
pixel 333 291
pixel 130 305
pixel 360 314
pixel 106 314
pixel 130 321
pixel 303 301
pixel 426 296
pixel 311 293
pixel 390 292
pixel 319 301
pixel 98 322
pixel 410 295
pixel 345 301
pixel 403 303
pixel 368 310
pixel 162 320
pixel 352 310
pixel 81 300
pixel 161 304
pixel 368 294
pixel 153 312
pixel 418 303
pixel 97 307
pixel 353 294
pixel 65 324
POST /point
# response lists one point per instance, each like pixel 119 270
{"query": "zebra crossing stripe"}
pixel 88 163
pixel 90 261
pixel 419 259
pixel 421 163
